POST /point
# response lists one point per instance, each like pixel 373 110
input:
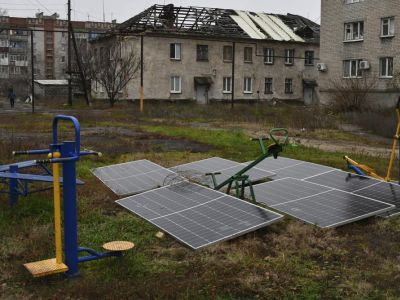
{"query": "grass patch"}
pixel 288 260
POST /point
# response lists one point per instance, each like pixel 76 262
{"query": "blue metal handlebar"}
pixel 77 127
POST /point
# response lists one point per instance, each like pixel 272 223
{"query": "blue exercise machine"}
pixel 67 154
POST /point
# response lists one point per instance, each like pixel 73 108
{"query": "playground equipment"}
pixel 18 184
pixel 240 180
pixel 66 154
pixel 365 170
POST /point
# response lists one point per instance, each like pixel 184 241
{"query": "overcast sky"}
pixel 125 9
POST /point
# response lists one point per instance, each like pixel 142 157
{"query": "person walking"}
pixel 11 97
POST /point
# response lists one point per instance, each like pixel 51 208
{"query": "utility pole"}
pixel 141 74
pixel 233 73
pixel 69 56
pixel 32 75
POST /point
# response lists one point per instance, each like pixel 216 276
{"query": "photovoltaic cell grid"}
pixel 133 177
pixel 315 204
pixel 217 164
pixel 286 167
pixel 362 186
pixel 198 216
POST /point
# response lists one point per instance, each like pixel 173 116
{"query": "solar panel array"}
pixel 317 204
pixel 133 177
pixel 226 167
pixel 198 216
pixel 325 196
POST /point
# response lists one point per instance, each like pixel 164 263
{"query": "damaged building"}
pixel 210 54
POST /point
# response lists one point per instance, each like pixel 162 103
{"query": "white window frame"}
pixel 269 55
pixel 386 61
pixel 248 85
pixel 176 52
pixel 248 51
pixel 289 57
pixel 390 26
pixel 289 82
pixel 227 85
pixel 351 65
pixel 270 81
pixel 353 32
pixel 309 60
pixel 224 58
pixel 174 89
pixel 351 1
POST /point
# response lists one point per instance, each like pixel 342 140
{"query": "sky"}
pixel 125 9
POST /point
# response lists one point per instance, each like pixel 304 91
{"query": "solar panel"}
pixel 316 204
pixel 333 208
pixel 386 192
pixel 271 164
pixel 217 164
pixel 209 165
pixel 132 177
pixel 198 216
pixel 285 190
pixel 343 181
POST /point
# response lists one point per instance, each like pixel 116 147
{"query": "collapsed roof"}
pixel 222 23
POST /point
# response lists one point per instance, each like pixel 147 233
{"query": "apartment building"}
pixel 360 40
pixel 197 53
pixel 50 45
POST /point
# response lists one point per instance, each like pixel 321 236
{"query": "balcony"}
pixel 20 63
pixel 18 50
pixel 4 62
pixel 19 37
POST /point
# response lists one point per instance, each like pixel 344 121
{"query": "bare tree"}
pixel 351 94
pixel 3 12
pixel 113 64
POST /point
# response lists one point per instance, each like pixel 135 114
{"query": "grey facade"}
pixel 207 76
pixel 50 46
pixel 360 40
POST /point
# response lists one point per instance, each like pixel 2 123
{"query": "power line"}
pixel 40 3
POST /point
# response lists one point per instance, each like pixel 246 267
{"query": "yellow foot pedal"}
pixel 45 267
pixel 118 246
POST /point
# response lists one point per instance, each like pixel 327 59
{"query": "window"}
pixel 269 56
pixel 289 56
pixel 202 52
pixel 248 54
pixel 3 69
pixel 309 58
pixel 351 68
pixel 268 86
pixel 15 70
pixel 386 67
pixel 3 43
pixel 387 27
pixel 248 85
pixel 228 54
pixel 176 82
pixel 227 88
pixel 175 52
pixel 288 86
pixel 62 58
pixel 3 55
pixel 354 31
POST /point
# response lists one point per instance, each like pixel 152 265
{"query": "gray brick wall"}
pixel 334 14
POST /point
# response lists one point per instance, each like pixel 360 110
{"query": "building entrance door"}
pixel 202 94
pixel 308 95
